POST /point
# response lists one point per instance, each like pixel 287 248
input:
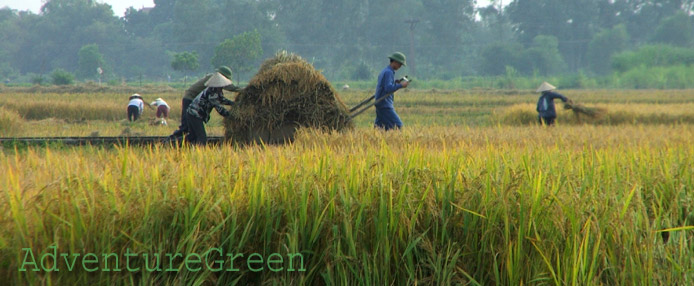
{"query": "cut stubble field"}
pixel 465 194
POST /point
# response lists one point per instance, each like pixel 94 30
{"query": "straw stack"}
pixel 286 93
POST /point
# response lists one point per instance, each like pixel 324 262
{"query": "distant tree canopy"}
pixel 185 61
pixel 89 60
pixel 604 45
pixel 541 57
pixel 675 30
pixel 239 52
pixel 346 39
pixel 62 77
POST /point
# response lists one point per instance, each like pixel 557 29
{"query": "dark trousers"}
pixel 195 128
pixel 549 121
pixel 184 108
pixel 133 113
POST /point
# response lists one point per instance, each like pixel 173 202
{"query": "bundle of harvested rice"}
pixel 577 108
pixel 286 93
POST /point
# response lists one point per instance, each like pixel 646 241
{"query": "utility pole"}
pixel 413 22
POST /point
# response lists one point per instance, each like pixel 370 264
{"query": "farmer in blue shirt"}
pixel 386 117
pixel 545 105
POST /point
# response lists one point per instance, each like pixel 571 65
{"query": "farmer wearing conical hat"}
pixel 162 110
pixel 135 107
pixel 545 105
pixel 194 90
pixel 198 112
pixel 386 117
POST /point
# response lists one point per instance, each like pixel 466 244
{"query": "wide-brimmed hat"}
pixel 399 57
pixel 217 80
pixel 135 95
pixel 545 86
pixel 159 99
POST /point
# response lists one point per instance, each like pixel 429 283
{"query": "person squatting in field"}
pixel 135 107
pixel 198 112
pixel 545 104
pixel 386 117
pixel 193 91
pixel 162 110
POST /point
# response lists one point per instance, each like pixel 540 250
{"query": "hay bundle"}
pixel 286 93
pixel 577 108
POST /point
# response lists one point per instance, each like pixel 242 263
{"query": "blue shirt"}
pixel 545 105
pixel 385 87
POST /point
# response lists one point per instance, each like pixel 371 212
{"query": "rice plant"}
pixel 579 205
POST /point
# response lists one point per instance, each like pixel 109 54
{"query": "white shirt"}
pixel 137 102
pixel 158 103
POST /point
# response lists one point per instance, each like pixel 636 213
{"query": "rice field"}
pixel 461 196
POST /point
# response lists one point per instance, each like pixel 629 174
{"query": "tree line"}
pixel 349 39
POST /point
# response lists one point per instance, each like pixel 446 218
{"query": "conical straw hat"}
pixel 545 86
pixel 217 80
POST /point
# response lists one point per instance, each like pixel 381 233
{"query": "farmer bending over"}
pixel 198 112
pixel 545 105
pixel 386 117
pixel 162 110
pixel 193 91
pixel 135 107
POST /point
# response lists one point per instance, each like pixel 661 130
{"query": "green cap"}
pixel 398 57
pixel 225 71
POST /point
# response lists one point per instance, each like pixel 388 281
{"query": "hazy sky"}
pixel 118 6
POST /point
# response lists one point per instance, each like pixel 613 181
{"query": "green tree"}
pixel 62 77
pixel 649 56
pixel 240 52
pixel 542 57
pixel 185 62
pixel 642 16
pixel 89 59
pixel 64 27
pixel 675 30
pixel 443 28
pixel 496 57
pixel 137 22
pixel 192 27
pixel 604 45
pixel 573 22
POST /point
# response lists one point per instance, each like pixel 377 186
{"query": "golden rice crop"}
pixel 614 113
pixel 579 205
pixel 10 122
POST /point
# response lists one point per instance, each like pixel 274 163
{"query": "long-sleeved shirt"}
pixel 158 103
pixel 199 86
pixel 137 102
pixel 385 87
pixel 545 105
pixel 209 98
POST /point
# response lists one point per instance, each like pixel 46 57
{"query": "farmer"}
pixel 162 110
pixel 135 107
pixel 198 112
pixel 545 105
pixel 194 90
pixel 386 117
